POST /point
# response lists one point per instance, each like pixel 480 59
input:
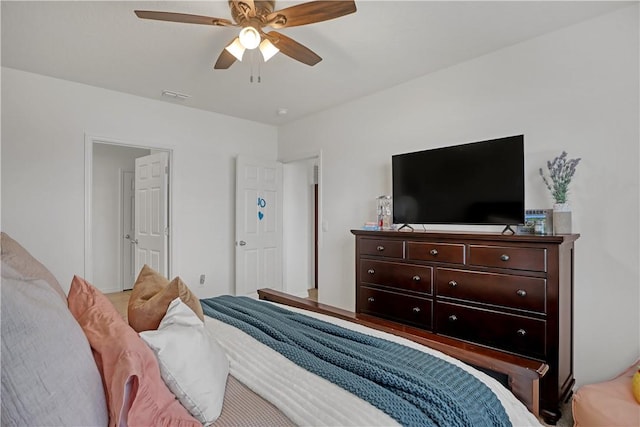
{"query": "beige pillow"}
pixel 25 265
pixel 152 293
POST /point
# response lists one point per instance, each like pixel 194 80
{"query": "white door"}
pixel 128 272
pixel 258 225
pixel 151 212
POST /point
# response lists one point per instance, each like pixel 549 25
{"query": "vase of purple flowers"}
pixel 560 173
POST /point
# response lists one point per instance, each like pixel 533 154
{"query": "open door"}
pixel 258 225
pixel 151 212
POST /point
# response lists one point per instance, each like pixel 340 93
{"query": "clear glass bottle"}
pixel 384 212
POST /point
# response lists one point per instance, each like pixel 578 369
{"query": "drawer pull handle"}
pixel 380 248
pixel 416 278
pixel 521 332
pixel 433 252
pixel 371 271
pixel 371 299
pixel 453 283
pixel 504 257
pixel 521 293
pixel 453 318
pixel 416 309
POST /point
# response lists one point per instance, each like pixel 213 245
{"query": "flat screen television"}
pixel 480 183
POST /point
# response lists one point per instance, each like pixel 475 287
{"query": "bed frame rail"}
pixel 523 374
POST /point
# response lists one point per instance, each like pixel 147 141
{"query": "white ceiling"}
pixel 385 43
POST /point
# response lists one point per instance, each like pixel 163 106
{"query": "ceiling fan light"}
pixel 249 37
pixel 268 49
pixel 236 49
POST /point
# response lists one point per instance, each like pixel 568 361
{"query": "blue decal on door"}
pixel 261 203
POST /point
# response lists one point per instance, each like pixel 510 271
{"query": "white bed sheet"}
pixel 309 400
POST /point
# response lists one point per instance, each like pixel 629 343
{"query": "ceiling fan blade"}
pixel 308 13
pixel 225 60
pixel 183 17
pixel 293 49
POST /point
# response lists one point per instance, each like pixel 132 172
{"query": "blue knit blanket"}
pixel 414 388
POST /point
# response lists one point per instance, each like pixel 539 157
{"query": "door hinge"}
pixel 166 231
pixel 166 170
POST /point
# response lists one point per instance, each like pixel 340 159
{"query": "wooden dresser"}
pixel 511 293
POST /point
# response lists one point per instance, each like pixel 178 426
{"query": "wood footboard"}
pixel 522 374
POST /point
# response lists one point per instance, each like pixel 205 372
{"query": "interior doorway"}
pixel 110 212
pixel 302 197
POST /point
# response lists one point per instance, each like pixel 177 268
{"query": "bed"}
pixel 73 360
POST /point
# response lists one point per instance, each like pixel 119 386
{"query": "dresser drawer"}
pixel 532 259
pixel 395 306
pixel 518 334
pixel 415 278
pixel 441 252
pixel 382 247
pixel 519 292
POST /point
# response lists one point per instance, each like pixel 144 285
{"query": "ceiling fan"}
pixel 253 16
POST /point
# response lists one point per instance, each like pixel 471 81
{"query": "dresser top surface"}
pixel 467 235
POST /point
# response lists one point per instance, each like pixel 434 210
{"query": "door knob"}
pixel 126 236
pixel 134 241
pixel 242 243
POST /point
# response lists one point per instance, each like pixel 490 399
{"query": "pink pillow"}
pixel 608 403
pixel 136 393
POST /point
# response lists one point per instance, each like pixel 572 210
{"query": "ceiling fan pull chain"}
pixel 251 79
pixel 259 71
pixel 253 63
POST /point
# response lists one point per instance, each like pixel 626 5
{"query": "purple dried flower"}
pixel 561 172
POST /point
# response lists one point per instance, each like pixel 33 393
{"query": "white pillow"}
pixel 192 363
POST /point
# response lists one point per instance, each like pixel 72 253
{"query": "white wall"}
pixel 44 122
pixel 576 90
pixel 108 162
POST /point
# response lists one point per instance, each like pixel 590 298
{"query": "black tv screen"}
pixel 478 183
